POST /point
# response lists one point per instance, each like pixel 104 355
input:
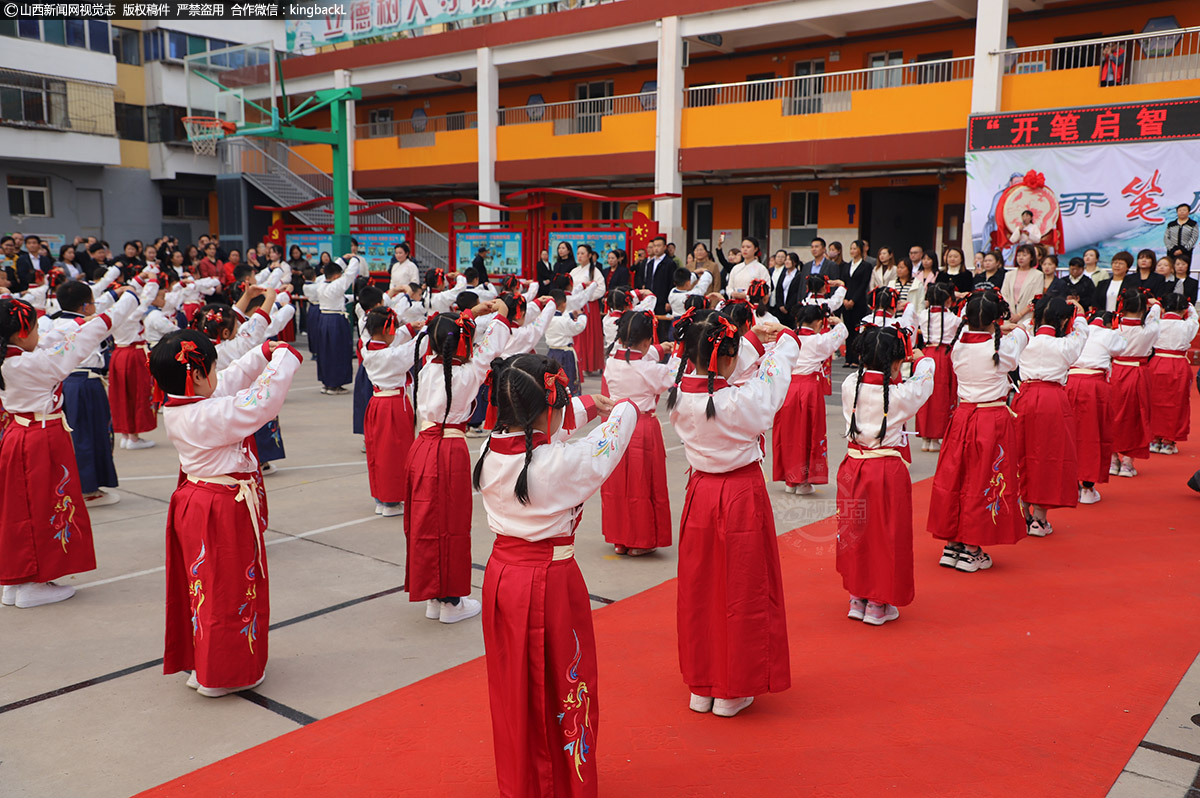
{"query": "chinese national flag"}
pixel 274 234
pixel 644 231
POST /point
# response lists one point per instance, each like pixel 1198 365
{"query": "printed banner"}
pixel 503 256
pixel 361 19
pixel 1109 197
pixel 1073 127
pixel 375 248
pixel 602 241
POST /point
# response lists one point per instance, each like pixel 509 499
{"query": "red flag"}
pixel 644 231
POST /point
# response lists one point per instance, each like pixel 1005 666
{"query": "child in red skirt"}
pixel 939 326
pixel 537 617
pixel 733 641
pixel 218 590
pixel 130 389
pixel 1138 319
pixel 819 294
pixel 974 498
pixel 634 499
pixel 1089 395
pixel 45 532
pixel 1046 456
pixel 798 437
pixel 874 491
pixel 1170 375
pixel 387 358
pixel 437 490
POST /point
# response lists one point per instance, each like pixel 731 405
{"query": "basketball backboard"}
pixel 236 84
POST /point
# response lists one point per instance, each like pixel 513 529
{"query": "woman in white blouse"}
pixel 746 272
pixel 885 269
pixel 1022 284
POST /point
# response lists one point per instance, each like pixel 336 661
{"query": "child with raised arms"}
pixel 1138 317
pixel 938 326
pixel 1090 397
pixel 1170 377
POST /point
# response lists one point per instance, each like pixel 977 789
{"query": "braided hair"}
pixel 716 337
pixel 1131 301
pixel 938 295
pixel 739 313
pixel 635 328
pixel 511 284
pixel 451 336
pixel 985 308
pixel 816 285
pixel 18 319
pixel 216 321
pixel 617 300
pixel 516 306
pixel 879 348
pixel 687 336
pixel 883 301
pixel 523 387
pixel 381 320
pixel 1174 303
pixel 758 292
pixel 807 314
pixel 178 356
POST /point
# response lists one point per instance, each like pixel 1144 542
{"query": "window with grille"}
pixel 33 100
pixel 28 196
pixel 131 121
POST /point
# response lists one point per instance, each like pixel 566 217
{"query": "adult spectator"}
pixel 658 274
pixel 821 265
pixel 746 272
pixel 98 252
pixel 480 264
pixel 1109 291
pixel 671 254
pixel 544 273
pixel 1078 284
pixel 404 268
pixel 925 271
pixel 788 287
pixel 222 255
pixel 702 261
pixel 834 253
pixel 210 265
pixel 1181 282
pixel 564 259
pixel 907 288
pixel 1145 276
pixel 1182 231
pixel 8 260
pixel 954 271
pixel 727 263
pixel 993 270
pixel 66 261
pixel 854 307
pixel 296 258
pixel 1091 266
pixel 33 261
pixel 1112 64
pixel 884 270
pixel 618 270
pixel 1022 284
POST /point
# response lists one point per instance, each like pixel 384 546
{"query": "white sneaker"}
pixel 805 489
pixel 1039 529
pixel 700 703
pixel 971 561
pixel 1089 496
pixel 101 498
pixel 268 468
pixel 1114 466
pixel 466 608
pixel 950 555
pixel 9 595
pixel 1155 447
pixel 121 443
pixel 789 488
pixel 879 614
pixel 433 609
pixel 217 692
pixel 1169 447
pixel 363 448
pixel 925 444
pixel 935 446
pixel 1127 469
pixel 378 507
pixel 193 682
pixel 728 707
pixel 139 443
pixel 858 608
pixel 35 594
pixel 391 511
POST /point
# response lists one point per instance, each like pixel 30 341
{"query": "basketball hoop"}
pixel 205 131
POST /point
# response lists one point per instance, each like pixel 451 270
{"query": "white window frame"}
pixel 27 191
pixel 379 121
pixel 891 78
pixel 802 235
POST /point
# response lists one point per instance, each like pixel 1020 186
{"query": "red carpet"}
pixel 1037 678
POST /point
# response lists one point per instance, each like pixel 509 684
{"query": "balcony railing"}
pixel 579 116
pixel 419 132
pixel 830 91
pixel 48 103
pixel 1118 60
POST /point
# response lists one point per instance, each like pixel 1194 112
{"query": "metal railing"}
pixel 31 100
pixel 829 91
pixel 1118 60
pixel 418 132
pixel 579 116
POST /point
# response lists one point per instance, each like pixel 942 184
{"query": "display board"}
pixel 505 248
pixel 375 248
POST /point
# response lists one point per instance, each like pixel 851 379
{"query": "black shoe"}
pixel 1194 482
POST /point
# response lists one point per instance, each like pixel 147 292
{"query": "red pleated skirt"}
pixel 45 532
pixel 1047 462
pixel 1170 398
pixel 218 590
pixel 288 333
pixel 1130 413
pixel 635 503
pixel 589 344
pixel 933 419
pixel 437 517
pixel 974 493
pixel 732 627
pixel 875 530
pixel 798 441
pixel 388 434
pixel 541 666
pixel 1089 396
pixel 130 391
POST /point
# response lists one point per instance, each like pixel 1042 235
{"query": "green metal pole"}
pixel 341 179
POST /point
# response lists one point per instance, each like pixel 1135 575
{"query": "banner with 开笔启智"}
pixel 1110 198
pixel 332 23
pixel 1103 177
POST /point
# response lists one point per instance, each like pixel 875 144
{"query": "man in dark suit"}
pixel 821 264
pixel 857 276
pixel 480 264
pixel 32 261
pixel 1076 283
pixel 658 275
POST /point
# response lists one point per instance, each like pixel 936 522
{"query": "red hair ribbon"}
pixel 493 410
pixel 466 334
pixel 758 290
pixel 654 323
pixel 679 327
pixel 389 321
pixel 724 328
pixel 441 276
pixel 906 335
pixel 26 316
pixel 551 383
pixel 520 302
pixel 214 315
pixel 190 356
